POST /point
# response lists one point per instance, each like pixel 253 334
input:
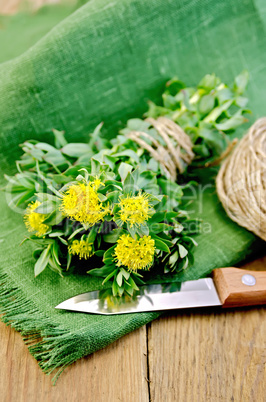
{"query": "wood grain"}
pixel 234 293
pixel 209 355
pixel 205 355
pixel 8 7
pixel 116 373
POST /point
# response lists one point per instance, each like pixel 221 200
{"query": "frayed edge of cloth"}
pixel 54 348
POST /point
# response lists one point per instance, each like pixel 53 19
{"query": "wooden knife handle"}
pixel 236 286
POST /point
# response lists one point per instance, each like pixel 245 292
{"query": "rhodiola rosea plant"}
pixel 107 208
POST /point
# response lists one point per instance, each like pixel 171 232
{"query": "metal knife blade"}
pixel 199 293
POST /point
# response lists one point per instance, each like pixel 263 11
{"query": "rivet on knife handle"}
pixel 239 287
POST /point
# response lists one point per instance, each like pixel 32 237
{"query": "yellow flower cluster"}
pixel 135 210
pixel 135 254
pixel 82 248
pixel 81 202
pixel 34 220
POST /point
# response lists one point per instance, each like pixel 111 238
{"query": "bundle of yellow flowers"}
pixel 109 207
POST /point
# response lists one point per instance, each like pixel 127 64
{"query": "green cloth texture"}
pixel 102 63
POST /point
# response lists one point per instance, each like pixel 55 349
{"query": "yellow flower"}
pixel 135 210
pixel 82 248
pixel 34 220
pixel 134 254
pixel 81 202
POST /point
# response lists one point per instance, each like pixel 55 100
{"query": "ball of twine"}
pixel 241 181
pixel 173 152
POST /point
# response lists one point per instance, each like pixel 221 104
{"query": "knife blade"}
pixel 230 287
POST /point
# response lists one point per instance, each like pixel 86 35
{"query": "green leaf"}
pixel 63 240
pixel 60 140
pixel 46 197
pixel 159 227
pixel 241 82
pixel 55 250
pixel 241 101
pixel 224 94
pixel 210 81
pixel 159 244
pixel 53 265
pixel 125 274
pixel 206 104
pixel 101 197
pixel 119 279
pixel 173 258
pixel 25 197
pixel 154 200
pixel 75 233
pixel 190 240
pixel 137 124
pixel 128 153
pixel 132 283
pixel 143 230
pixel 129 187
pixel 95 167
pixel 216 112
pixel 120 290
pixel 182 250
pixel 163 237
pixel 115 288
pixel 212 137
pixel 42 262
pixel 109 276
pixel 132 230
pixel 75 150
pixel 236 120
pixel 46 207
pixel 109 253
pixel 93 233
pixel 99 253
pixel 69 259
pixel 108 261
pixel 101 272
pixel 56 234
pixel 157 217
pixel 114 235
pixel 54 218
pixel 110 161
pixel 124 169
pixel 95 135
pixel 113 196
pixel 128 289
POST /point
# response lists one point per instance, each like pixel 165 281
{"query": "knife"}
pixel 230 287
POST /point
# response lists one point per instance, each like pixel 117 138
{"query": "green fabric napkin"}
pixel 103 63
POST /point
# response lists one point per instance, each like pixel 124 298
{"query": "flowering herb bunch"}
pixel 209 113
pixel 107 206
pixel 118 226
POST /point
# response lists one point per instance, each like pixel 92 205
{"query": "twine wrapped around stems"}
pixel 177 151
pixel 241 181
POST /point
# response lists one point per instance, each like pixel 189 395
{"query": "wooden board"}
pixel 201 355
pixel 116 373
pixel 8 7
pixel 215 356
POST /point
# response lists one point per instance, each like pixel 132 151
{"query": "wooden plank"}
pixel 116 373
pixel 209 355
pixel 8 7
